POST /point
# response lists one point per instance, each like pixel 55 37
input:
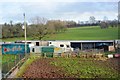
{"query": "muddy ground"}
pixel 42 68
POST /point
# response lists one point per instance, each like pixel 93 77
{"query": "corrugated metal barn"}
pixel 86 44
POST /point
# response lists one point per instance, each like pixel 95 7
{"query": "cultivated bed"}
pixel 72 68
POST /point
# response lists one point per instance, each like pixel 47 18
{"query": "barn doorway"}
pixel 105 47
pixel 76 45
pixel 37 43
pixel 102 46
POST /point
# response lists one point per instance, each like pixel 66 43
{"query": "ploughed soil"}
pixel 114 63
pixel 42 68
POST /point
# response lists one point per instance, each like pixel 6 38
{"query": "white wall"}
pixel 57 43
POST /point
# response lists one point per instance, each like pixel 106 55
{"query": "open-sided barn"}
pixel 85 44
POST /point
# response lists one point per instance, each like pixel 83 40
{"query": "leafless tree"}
pixel 39 27
pixel 104 25
pixel 92 19
pixel 39 20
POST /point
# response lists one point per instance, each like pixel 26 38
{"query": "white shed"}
pixel 65 45
pixel 35 49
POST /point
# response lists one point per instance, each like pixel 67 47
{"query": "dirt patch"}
pixel 43 69
pixel 114 63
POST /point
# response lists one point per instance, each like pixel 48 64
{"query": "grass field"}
pixel 81 33
pixel 87 33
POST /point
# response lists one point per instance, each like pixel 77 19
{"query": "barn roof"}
pixel 83 41
pixel 72 41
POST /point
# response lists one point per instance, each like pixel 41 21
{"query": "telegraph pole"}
pixel 25 34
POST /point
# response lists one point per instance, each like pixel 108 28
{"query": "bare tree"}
pixel 105 19
pixel 92 19
pixel 39 20
pixel 39 27
pixel 118 17
pixel 11 23
pixel 104 25
pixel 57 25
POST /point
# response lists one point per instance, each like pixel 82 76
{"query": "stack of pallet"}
pixel 91 55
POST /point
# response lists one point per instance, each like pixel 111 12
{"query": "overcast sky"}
pixel 57 9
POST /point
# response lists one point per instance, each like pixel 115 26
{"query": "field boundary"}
pixel 22 69
pixel 14 68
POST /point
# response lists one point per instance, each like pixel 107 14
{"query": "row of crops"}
pixel 86 67
pixel 73 68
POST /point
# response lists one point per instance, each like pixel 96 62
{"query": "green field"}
pixel 80 33
pixel 87 33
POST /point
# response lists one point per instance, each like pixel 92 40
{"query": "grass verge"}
pixel 23 68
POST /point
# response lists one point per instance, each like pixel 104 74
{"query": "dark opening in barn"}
pixel 87 45
pixel 103 45
pixel 91 45
pixel 82 45
pixel 76 45
pixel 37 43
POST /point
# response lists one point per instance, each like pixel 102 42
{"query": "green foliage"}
pixel 38 30
pixel 16 38
pixel 85 68
pixel 8 57
pixel 10 31
pixel 106 53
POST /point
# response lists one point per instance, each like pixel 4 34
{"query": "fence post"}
pixel 45 55
pixel 8 66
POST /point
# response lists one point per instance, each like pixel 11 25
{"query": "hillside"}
pixel 80 33
pixel 87 33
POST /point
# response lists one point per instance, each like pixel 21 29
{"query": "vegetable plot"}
pixel 87 68
pixel 72 68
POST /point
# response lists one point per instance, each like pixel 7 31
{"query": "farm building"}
pixel 42 49
pixel 107 45
pixel 118 46
pixel 35 43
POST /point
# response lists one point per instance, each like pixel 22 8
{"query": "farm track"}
pixel 42 69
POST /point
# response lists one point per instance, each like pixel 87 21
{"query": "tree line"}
pixel 41 27
pixel 38 29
